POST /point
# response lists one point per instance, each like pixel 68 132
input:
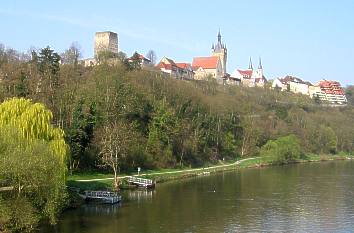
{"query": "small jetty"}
pixel 103 196
pixel 141 182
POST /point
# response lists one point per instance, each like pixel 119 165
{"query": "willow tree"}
pixel 33 164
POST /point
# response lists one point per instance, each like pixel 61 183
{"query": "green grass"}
pixel 259 161
pixel 92 185
pixel 87 175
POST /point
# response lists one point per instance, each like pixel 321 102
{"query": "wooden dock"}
pixel 103 196
pixel 140 182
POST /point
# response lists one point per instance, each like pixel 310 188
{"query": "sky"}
pixel 311 40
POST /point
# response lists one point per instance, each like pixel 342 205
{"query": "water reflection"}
pixel 140 195
pixel 297 198
pixel 101 209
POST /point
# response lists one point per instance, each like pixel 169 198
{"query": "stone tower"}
pixel 106 41
pixel 220 50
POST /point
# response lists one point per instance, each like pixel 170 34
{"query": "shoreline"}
pixel 165 176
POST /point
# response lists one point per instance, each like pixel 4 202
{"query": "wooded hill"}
pixel 163 122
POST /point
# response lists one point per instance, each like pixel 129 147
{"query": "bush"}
pixel 283 150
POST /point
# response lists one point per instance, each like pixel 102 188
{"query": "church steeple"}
pixel 260 64
pixel 250 66
pixel 219 50
pixel 219 37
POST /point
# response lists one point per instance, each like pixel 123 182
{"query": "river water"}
pixel 313 197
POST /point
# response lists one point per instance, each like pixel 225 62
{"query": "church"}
pixel 251 77
pixel 214 65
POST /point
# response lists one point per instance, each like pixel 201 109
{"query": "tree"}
pixel 115 141
pixel 349 92
pixel 326 140
pixel 47 62
pixel 162 128
pixel 133 63
pixel 80 133
pixel 151 55
pixel 250 134
pixel 283 150
pixel 105 55
pixel 72 54
pixel 21 88
pixel 33 163
pixel 229 145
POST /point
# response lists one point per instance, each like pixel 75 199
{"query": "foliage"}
pixel 350 94
pixel 33 162
pixel 177 123
pixel 283 150
pixel 81 133
pixel 133 63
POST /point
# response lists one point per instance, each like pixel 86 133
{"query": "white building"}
pixel 176 70
pixel 328 91
pixel 251 77
pixel 292 84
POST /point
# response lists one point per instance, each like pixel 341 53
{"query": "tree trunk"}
pixel 116 180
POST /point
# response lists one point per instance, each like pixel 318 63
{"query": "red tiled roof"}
pixel 163 65
pixel 183 65
pixel 331 87
pixel 171 65
pixel 171 61
pixel 205 62
pixel 247 73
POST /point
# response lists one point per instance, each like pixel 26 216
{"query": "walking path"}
pixel 174 172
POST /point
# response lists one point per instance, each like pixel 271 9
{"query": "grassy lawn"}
pixel 99 175
pixel 182 173
pixel 92 185
pixel 89 175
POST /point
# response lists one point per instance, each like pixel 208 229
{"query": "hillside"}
pixel 170 123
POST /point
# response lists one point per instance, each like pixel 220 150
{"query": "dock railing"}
pixel 140 181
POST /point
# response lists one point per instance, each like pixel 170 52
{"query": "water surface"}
pixel 315 197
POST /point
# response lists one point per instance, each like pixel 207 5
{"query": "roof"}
pixel 183 65
pixel 170 65
pixel 170 61
pixel 205 62
pixel 288 79
pixel 247 73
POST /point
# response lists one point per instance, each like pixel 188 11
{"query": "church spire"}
pixel 250 66
pixel 219 36
pixel 260 64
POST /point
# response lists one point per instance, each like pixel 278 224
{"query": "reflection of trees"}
pixel 101 209
pixel 294 198
pixel 141 195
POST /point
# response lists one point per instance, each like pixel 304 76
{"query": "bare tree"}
pixel 151 55
pixel 115 143
pixel 72 54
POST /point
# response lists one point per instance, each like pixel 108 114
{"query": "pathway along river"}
pixel 313 197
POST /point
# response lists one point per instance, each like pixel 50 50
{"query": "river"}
pixel 312 197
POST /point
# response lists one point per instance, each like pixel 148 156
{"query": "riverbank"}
pixel 99 181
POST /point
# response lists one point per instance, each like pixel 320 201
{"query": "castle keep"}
pixel 106 41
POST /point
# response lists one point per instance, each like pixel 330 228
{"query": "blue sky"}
pixel 309 39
